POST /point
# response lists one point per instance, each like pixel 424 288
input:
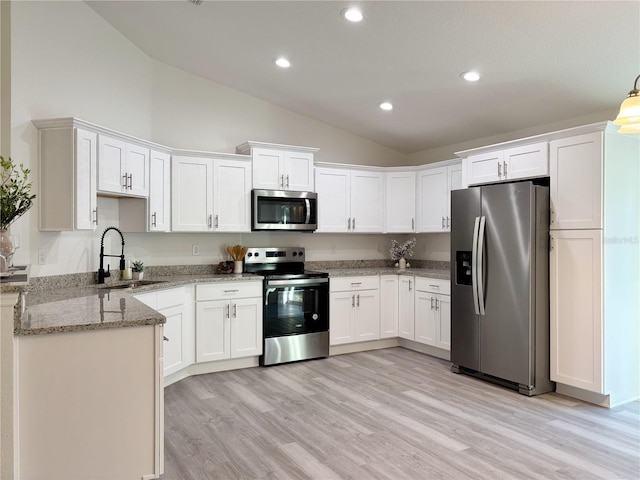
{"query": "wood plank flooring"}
pixel 387 414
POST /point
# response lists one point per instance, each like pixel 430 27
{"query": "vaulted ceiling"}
pixel 541 62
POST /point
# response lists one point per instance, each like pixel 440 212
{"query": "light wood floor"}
pixel 387 414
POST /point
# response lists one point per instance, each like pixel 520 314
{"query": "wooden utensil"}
pixel 230 252
pixel 244 252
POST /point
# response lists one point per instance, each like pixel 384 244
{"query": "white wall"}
pixel 67 61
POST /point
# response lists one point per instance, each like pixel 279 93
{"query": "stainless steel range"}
pixel 295 305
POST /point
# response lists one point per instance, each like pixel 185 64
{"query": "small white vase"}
pixel 138 275
pixel 402 263
pixel 237 266
pixel 7 249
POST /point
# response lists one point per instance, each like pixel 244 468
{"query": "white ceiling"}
pixel 541 62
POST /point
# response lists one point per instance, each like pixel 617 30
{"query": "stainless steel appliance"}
pixel 295 305
pixel 284 210
pixel 500 284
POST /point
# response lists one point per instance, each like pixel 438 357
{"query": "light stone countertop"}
pixel 96 307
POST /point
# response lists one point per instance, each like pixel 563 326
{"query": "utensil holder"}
pixel 237 266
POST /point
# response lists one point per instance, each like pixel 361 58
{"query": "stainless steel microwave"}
pixel 284 210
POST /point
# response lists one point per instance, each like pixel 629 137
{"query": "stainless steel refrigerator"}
pixel 500 284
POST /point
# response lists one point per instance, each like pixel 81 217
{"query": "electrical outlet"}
pixel 42 256
pixel 195 250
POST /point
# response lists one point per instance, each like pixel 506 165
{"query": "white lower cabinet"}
pixel 406 307
pixel 228 320
pixel 179 330
pixel 354 306
pixel 388 306
pixel 433 313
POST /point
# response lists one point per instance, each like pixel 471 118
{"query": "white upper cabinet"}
pixel 210 194
pixel 400 197
pixel 280 167
pixel 525 161
pixel 349 200
pixel 191 194
pixel 434 197
pixel 123 168
pixel 231 195
pixel 576 182
pixel 159 215
pixel 67 197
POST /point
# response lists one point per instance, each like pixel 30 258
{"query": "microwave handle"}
pixel 308 204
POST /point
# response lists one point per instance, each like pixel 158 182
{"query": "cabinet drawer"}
pixel 345 284
pixel 220 291
pixel 171 297
pixel 433 285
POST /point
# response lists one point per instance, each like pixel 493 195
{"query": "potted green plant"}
pixel 137 268
pixel 15 200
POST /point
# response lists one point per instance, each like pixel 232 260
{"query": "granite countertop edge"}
pixel 49 308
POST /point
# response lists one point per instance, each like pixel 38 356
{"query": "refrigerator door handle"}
pixel 474 270
pixel 479 265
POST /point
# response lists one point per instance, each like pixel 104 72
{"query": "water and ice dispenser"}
pixel 463 268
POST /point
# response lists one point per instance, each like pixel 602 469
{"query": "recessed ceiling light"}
pixel 386 106
pixel 352 14
pixel 470 76
pixel 282 62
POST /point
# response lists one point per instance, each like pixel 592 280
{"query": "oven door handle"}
pixel 301 281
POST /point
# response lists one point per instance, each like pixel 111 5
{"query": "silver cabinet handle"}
pixel 409 285
pixel 209 221
pixel 131 181
pixel 436 304
pixel 235 310
pixel 287 181
pixel 431 303
pixel 281 181
pixel 153 220
pixel 442 222
pixel 348 223
pixel 448 222
pixel 413 224
pixel 165 338
pixel 550 243
pixel 358 300
pixel 353 223
pixel 124 179
pixel 217 221
pixel 230 291
pixel 504 168
pixel 95 215
pixel 227 310
pixel 552 216
pixel 353 300
pixel 499 170
pixel 356 283
pixel 434 286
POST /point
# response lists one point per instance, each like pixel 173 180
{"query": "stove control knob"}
pixel 249 254
pixel 300 253
pixel 257 254
pixel 295 253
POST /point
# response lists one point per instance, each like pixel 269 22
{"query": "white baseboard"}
pixel 363 346
pixel 426 349
pixel 584 395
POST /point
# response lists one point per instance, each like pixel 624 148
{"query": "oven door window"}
pixel 292 310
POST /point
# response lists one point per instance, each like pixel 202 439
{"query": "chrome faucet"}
pixel 101 273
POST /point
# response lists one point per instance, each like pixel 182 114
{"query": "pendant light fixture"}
pixel 629 116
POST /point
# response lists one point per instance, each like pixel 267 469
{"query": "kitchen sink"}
pixel 131 285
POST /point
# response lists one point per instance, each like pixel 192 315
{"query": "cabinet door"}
pixel 388 306
pixel 526 161
pixel 406 307
pixel 400 199
pixel 174 358
pixel 367 315
pixel 432 200
pixel 443 339
pixel 231 195
pixel 484 167
pixel 298 171
pixel 137 170
pixel 341 306
pixel 266 168
pixel 111 164
pixel 367 202
pixel 576 321
pixel 191 194
pixel 576 182
pixel 426 318
pixel 86 204
pixel 159 191
pixel 334 193
pixel 246 327
pixel 213 337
